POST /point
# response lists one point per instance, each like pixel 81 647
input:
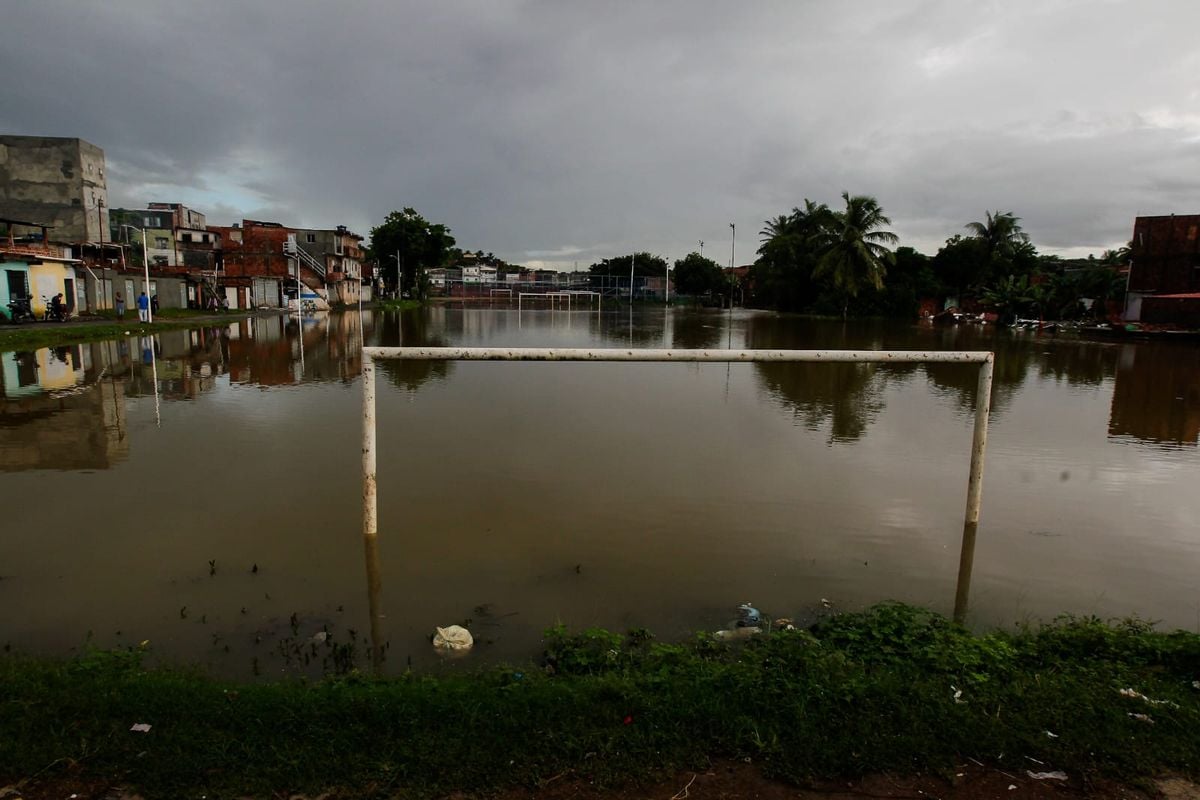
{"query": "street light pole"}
pixel 632 261
pixel 145 272
pixel 702 248
pixel 732 245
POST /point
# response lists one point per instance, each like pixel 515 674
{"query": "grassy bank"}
pixel 396 305
pixel 893 689
pixel 17 337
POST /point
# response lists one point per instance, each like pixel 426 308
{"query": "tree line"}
pixel 826 261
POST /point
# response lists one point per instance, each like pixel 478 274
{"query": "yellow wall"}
pixel 46 280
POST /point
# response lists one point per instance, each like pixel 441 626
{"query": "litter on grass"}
pixel 1056 775
pixel 1149 700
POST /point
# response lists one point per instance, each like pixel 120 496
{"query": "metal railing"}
pixel 370 355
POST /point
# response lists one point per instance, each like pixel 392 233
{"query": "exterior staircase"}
pixel 312 275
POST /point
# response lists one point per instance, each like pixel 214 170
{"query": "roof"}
pixel 1185 296
pixel 26 224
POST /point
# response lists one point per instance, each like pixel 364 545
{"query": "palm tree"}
pixel 854 254
pixel 774 228
pixel 1001 233
pixel 1009 296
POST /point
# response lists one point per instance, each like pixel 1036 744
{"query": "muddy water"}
pixel 144 480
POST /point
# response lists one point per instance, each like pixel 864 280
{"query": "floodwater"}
pixel 145 480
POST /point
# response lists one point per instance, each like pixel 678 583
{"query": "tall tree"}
pixel 1000 232
pixel 854 251
pixel 406 245
pixel 645 265
pixel 783 273
pixel 697 275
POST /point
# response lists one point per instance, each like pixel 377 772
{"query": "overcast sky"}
pixel 554 132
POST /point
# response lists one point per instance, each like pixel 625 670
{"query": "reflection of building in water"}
pixel 84 429
pixel 45 370
pixel 1157 394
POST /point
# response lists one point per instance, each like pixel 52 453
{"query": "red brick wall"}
pixel 1166 255
pixel 260 251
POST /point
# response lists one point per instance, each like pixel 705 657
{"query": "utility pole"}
pixel 702 248
pixel 732 245
pixel 632 260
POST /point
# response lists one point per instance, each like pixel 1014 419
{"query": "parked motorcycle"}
pixel 20 310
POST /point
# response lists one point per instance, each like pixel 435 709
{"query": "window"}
pixel 311 238
pixel 187 237
pixel 161 242
pixel 204 238
pixel 147 222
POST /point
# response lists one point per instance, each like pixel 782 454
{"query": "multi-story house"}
pixel 339 250
pixel 53 193
pixel 58 182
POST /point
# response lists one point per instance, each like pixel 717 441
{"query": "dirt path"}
pixel 726 781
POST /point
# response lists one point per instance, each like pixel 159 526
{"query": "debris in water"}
pixel 826 603
pixel 748 616
pixel 140 727
pixel 212 567
pixel 737 633
pixel 453 637
pixel 320 637
pixel 1057 775
pixel 254 570
pixel 183 612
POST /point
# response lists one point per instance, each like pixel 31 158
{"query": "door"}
pixel 69 294
pixel 231 296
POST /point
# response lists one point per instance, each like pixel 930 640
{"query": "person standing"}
pixel 143 308
pixel 119 303
pixel 154 303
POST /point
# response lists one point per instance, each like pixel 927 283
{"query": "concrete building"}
pixel 30 267
pixel 254 269
pixel 58 182
pixel 340 251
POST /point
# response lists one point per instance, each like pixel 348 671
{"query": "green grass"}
pixel 15 337
pixel 21 337
pixel 857 694
pixel 397 305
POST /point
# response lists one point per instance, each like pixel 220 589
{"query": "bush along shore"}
pixel 894 689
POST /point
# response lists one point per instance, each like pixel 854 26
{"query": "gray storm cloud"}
pixel 558 133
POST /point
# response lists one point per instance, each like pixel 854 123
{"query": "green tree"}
pixel 645 265
pixel 1000 233
pixel 697 275
pixel 406 245
pixel 961 263
pixel 854 251
pixel 1009 296
pixel 782 275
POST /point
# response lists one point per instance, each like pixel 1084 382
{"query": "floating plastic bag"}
pixel 454 637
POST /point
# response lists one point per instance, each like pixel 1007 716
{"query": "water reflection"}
pixel 696 329
pixel 630 495
pixel 1157 394
pixel 412 330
